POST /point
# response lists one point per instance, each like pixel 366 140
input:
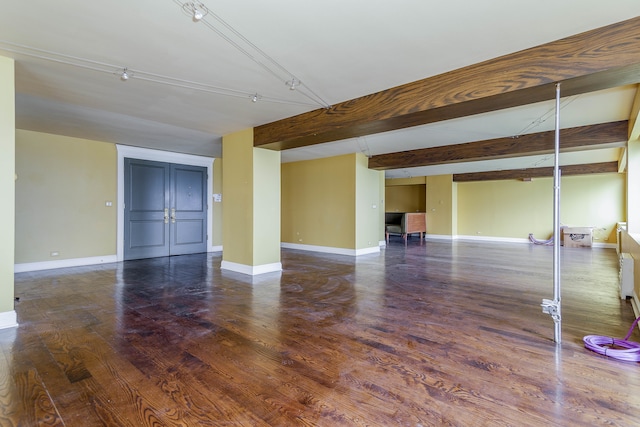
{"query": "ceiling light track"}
pixel 246 47
pixel 46 55
pixel 126 73
pixel 546 116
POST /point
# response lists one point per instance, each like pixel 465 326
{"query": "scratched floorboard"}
pixel 434 333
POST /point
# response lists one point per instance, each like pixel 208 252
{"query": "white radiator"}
pixel 626 275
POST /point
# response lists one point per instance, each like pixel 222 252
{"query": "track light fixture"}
pixel 125 74
pixel 196 9
pixel 293 83
pixel 255 97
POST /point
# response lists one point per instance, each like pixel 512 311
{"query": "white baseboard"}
pixel 635 303
pixel 493 239
pixel 331 250
pixel 73 262
pixel 518 240
pixel 366 251
pixel 439 237
pixel 251 270
pixel 8 319
pixel 382 243
pixel 215 248
pixel 605 245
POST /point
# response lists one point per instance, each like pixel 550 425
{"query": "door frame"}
pixel 160 156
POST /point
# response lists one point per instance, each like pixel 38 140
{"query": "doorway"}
pixel 184 161
pixel 164 209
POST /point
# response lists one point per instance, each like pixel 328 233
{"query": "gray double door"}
pixel 165 210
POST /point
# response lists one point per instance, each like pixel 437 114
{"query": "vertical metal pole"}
pixel 557 319
pixel 548 306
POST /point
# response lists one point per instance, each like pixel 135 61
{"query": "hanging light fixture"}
pixel 196 9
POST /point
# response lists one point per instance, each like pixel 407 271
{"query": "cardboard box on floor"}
pixel 578 237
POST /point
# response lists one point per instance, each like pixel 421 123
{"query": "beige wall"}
pixel 631 245
pixel 217 206
pixel 7 182
pixel 414 180
pixel 631 238
pixel 61 192
pixel 368 198
pixel 441 215
pixel 406 198
pixel 318 202
pixel 251 209
pixel 513 208
pixel 329 202
pixel 633 195
pixel 266 202
pixel 382 207
pixel 237 193
pixel 64 183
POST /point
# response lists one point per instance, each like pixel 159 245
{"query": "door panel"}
pixel 165 209
pixel 189 202
pixel 148 182
pixel 188 188
pixel 188 232
pixel 146 232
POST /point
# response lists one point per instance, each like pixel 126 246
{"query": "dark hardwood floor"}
pixel 437 333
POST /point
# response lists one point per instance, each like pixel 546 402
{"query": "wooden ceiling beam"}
pixel 634 123
pixel 571 139
pixel 527 174
pixel 598 59
pixel 622 160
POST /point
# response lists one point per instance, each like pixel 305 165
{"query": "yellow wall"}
pixel 382 207
pixel 63 184
pixel 368 225
pixel 631 238
pixel 61 192
pixel 217 206
pixel 318 202
pixel 441 216
pixel 633 195
pixel 329 202
pixel 266 202
pixel 631 245
pixel 406 198
pixel 414 180
pixel 237 193
pixel 251 211
pixel 514 208
pixel 7 182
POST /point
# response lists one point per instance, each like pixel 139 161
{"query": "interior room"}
pixel 270 213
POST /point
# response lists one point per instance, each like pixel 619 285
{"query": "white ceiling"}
pixel 193 82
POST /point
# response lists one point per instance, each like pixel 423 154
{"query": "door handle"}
pixel 173 215
pixel 166 215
